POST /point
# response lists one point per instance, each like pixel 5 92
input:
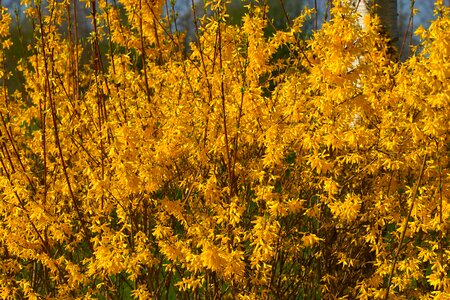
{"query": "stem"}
pixel 409 29
pixel 397 254
pixel 144 63
pixel 55 125
pixel 441 220
pixel 222 95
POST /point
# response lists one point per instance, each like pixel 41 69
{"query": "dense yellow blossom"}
pixel 249 164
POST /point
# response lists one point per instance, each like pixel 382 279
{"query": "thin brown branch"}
pixel 405 227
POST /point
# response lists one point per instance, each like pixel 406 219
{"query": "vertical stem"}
pixel 441 220
pixel 75 21
pixel 205 70
pixel 55 124
pixel 224 113
pixel 102 116
pixel 111 52
pixel 409 29
pixel 143 55
pixel 72 60
pixel 405 226
pixel 42 116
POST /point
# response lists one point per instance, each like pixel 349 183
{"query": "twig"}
pixel 414 196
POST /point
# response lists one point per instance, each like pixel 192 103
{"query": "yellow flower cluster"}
pixel 245 165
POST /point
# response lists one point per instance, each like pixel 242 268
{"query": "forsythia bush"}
pixel 246 165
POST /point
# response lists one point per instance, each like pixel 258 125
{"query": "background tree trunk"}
pixel 386 10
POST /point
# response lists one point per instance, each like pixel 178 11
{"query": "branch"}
pixel 397 254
